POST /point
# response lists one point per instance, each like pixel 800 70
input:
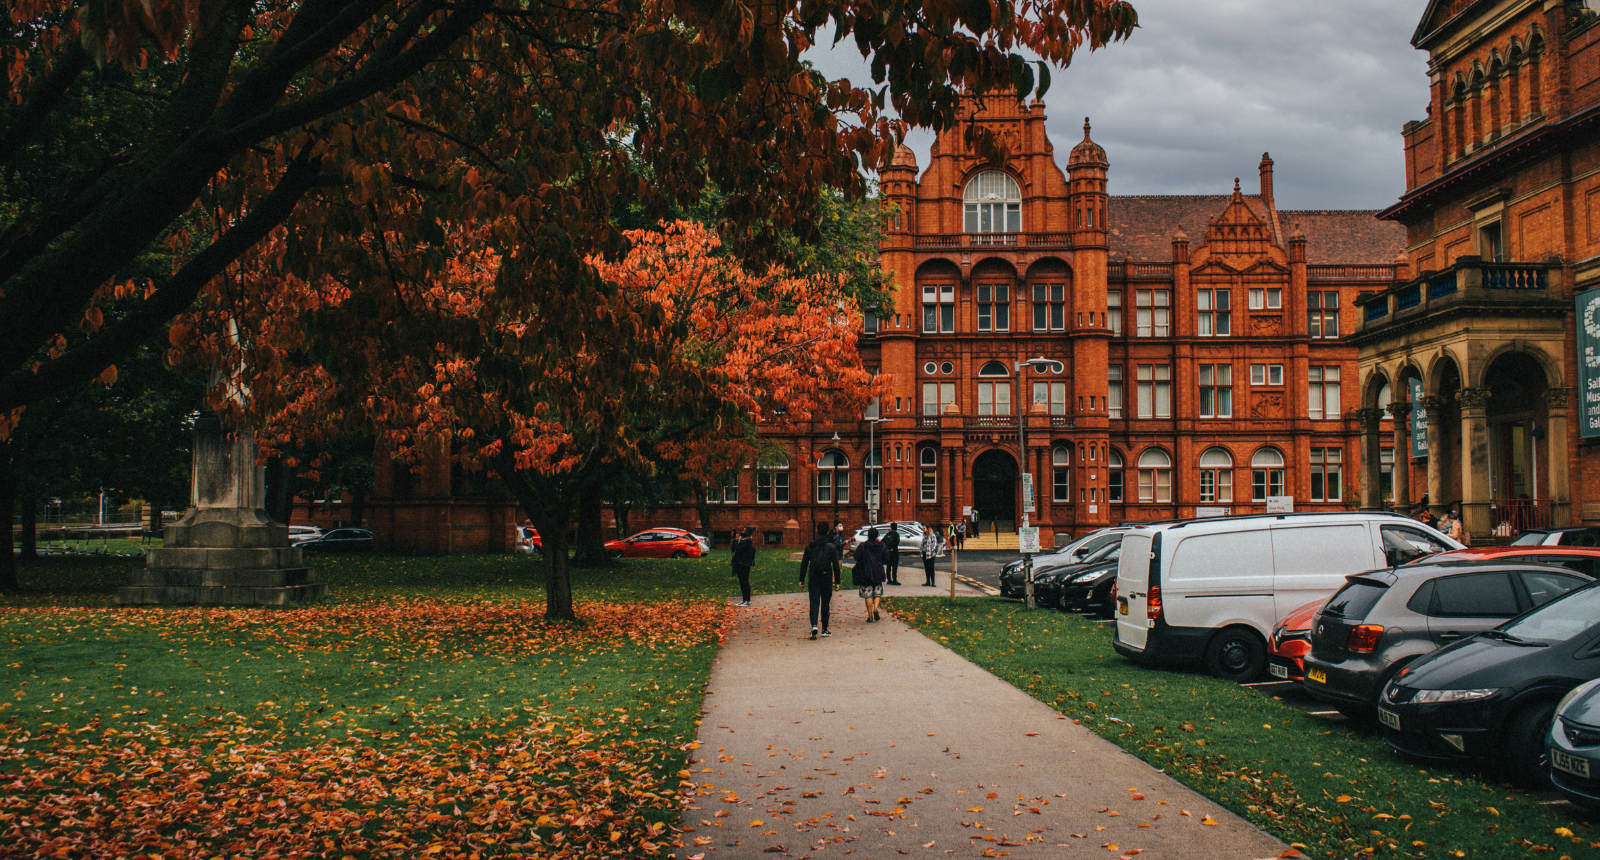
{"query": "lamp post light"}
pixel 1027 476
pixel 873 487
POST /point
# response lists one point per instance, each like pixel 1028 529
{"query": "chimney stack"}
pixel 1266 182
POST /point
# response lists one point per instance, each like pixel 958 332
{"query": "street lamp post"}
pixel 835 476
pixel 870 486
pixel 1027 477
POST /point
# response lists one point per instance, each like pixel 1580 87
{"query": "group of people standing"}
pixel 822 569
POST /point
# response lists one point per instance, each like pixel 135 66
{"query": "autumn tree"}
pixel 489 109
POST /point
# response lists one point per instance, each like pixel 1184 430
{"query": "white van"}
pixel 1209 591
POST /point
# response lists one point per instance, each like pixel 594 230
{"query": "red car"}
pixel 657 543
pixel 1582 559
pixel 1291 642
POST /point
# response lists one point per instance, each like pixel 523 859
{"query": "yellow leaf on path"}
pixel 928 845
pixel 1110 846
pixel 1184 812
pixel 757 823
pixel 975 809
pixel 1209 820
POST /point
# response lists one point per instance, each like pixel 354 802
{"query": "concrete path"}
pixel 879 743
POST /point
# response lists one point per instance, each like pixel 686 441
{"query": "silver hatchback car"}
pixel 1383 619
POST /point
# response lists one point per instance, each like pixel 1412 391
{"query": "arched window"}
pixel 1216 476
pixel 994 398
pixel 1155 476
pixel 833 477
pixel 929 475
pixel 1266 474
pixel 993 368
pixel 772 478
pixel 993 203
pixel 1061 464
pixel 1114 476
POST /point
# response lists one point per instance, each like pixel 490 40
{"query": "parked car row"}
pixel 339 540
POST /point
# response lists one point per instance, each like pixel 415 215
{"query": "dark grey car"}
pixel 1383 619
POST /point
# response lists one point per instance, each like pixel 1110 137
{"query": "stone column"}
pixel 1436 406
pixel 1371 459
pixel 1475 489
pixel 1401 413
pixel 1555 400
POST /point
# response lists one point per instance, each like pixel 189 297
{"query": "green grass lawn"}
pixel 427 707
pixel 1335 791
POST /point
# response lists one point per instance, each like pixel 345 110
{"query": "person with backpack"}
pixel 744 558
pixel 891 543
pixel 868 575
pixel 930 551
pixel 820 568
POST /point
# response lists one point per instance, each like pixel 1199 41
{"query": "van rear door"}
pixel 1311 561
pixel 1133 580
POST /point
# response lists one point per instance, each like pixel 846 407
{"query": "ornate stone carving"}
pixel 1400 411
pixel 1269 405
pixel 1473 398
pixel 1266 325
pixel 1557 398
pixel 1437 405
pixel 1369 419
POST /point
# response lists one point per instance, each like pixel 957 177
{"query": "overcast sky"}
pixel 1203 88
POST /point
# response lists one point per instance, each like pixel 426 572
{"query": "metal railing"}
pixel 1502 277
pixel 1512 517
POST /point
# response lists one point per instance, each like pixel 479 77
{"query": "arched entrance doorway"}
pixel 994 489
pixel 1518 447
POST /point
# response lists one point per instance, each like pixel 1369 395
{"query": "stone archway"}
pixel 1518 457
pixel 994 488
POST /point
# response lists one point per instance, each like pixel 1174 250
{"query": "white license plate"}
pixel 1569 763
pixel 1278 671
pixel 1389 718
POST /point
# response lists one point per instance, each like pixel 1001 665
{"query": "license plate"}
pixel 1317 675
pixel 1122 606
pixel 1570 763
pixel 1389 718
pixel 1278 671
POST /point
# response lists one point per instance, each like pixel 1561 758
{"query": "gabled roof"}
pixel 1437 15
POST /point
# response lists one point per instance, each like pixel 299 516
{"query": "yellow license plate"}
pixel 1317 675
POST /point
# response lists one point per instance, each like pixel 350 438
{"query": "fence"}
pixel 1511 517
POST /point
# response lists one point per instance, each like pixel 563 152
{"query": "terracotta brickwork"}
pixel 1501 209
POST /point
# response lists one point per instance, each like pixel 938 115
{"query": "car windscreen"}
pixel 1105 553
pixel 1355 600
pixel 1560 619
pixel 1529 539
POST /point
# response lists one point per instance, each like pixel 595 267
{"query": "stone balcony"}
pixel 1470 288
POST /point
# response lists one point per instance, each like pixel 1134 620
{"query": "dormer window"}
pixel 993 203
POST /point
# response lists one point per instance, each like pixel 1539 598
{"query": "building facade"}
pixel 1196 375
pixel 1478 353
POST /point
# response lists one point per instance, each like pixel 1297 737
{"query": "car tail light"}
pixel 1152 603
pixel 1113 591
pixel 1364 638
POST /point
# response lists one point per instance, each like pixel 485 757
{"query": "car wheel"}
pixel 1523 757
pixel 1236 654
pixel 615 553
pixel 680 554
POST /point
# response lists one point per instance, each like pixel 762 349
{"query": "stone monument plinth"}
pixel 226 549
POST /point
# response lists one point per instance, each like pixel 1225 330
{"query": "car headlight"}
pixel 1428 697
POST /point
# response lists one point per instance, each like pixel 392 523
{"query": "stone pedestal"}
pixel 226 549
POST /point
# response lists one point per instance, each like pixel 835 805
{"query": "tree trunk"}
pixel 8 500
pixel 703 505
pixel 30 527
pixel 619 516
pixel 547 502
pixel 591 548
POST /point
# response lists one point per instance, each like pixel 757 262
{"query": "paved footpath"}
pixel 878 742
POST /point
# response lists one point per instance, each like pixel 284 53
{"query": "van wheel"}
pixel 1236 654
pixel 1523 757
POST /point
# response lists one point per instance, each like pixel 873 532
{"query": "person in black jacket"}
pixel 891 542
pixel 820 568
pixel 744 558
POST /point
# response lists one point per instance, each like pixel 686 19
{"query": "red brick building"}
pixel 1502 212
pixel 1201 342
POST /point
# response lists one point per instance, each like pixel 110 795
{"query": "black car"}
pixel 1089 590
pixel 1492 698
pixel 1383 619
pixel 1013 584
pixel 340 540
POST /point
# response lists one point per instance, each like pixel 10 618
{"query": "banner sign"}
pixel 1589 364
pixel 1027 492
pixel 1280 504
pixel 1028 539
pixel 1212 511
pixel 1419 420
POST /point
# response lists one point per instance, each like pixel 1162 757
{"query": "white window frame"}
pixel 1323 402
pixel 1266 374
pixel 1154 390
pixel 928 474
pixel 1216 476
pixel 1155 477
pixel 994 307
pixel 1267 476
pixel 1152 313
pixel 992 203
pixel 1327 474
pixel 938 308
pixel 1216 390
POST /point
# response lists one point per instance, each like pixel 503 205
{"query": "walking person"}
pixel 744 558
pixel 839 544
pixel 869 573
pixel 891 543
pixel 820 569
pixel 961 535
pixel 930 551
